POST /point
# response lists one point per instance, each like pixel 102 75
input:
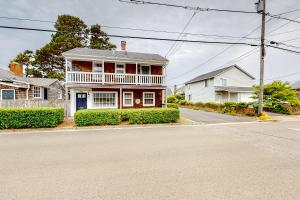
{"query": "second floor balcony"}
pixel 114 78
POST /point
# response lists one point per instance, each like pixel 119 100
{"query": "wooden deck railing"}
pixel 112 78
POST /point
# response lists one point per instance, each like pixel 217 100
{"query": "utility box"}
pixel 260 6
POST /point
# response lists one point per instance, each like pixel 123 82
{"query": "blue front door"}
pixel 81 101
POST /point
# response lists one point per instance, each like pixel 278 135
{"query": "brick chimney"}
pixel 16 68
pixel 123 45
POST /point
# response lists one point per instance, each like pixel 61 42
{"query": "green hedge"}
pixel 133 116
pixel 173 105
pixel 30 117
pixel 152 116
pixel 97 117
pixel 231 108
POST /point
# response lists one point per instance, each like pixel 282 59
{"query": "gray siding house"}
pixel 226 84
pixel 13 87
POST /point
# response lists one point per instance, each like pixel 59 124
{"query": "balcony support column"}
pixel 136 73
pixel 103 75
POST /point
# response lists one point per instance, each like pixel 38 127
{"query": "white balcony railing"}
pixel 112 78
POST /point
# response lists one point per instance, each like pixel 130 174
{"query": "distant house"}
pixel 227 84
pixel 296 86
pixel 101 79
pixel 13 87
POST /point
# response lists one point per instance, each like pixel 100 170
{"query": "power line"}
pixel 179 36
pixel 138 29
pixel 187 7
pixel 283 18
pixel 134 37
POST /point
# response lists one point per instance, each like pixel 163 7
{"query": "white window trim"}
pixel 8 89
pixel 116 100
pixel 40 92
pixel 127 105
pixel 225 81
pixel 145 105
pixel 120 64
pixel 97 62
pixel 145 66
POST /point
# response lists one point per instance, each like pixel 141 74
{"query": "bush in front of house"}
pixel 30 117
pixel 173 105
pixel 231 108
pixel 97 117
pixel 133 116
pixel 152 116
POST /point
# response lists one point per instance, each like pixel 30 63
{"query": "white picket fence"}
pixel 35 103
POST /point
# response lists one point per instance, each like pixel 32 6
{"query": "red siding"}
pixel 156 70
pixel 109 67
pixel 137 94
pixel 130 68
pixel 84 66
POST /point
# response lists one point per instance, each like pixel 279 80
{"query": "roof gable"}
pixel 217 72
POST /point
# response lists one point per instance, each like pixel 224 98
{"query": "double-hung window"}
pixel 105 100
pixel 37 92
pixel 120 69
pixel 97 68
pixel 223 82
pixel 148 99
pixel 127 98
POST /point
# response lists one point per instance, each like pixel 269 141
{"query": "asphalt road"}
pixel 203 117
pixel 246 161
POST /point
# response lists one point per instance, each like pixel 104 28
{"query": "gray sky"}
pixel 186 56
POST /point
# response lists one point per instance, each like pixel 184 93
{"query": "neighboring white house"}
pixel 227 84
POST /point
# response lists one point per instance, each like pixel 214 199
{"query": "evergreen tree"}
pixel 99 39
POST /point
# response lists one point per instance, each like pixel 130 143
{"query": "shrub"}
pixel 153 116
pixel 182 102
pixel 133 116
pixel 97 117
pixel 172 99
pixel 30 117
pixel 173 105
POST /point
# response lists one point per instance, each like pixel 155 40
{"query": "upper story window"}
pixel 98 67
pixel 206 83
pixel 37 92
pixel 223 81
pixel 120 69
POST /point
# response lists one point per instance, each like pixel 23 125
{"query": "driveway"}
pixel 234 161
pixel 203 117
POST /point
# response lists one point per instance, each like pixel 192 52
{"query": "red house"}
pixel 104 79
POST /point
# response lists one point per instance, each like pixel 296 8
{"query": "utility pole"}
pixel 261 8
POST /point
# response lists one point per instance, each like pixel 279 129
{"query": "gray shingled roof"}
pixel 216 73
pixel 8 76
pixel 43 82
pixel 114 54
pixel 234 89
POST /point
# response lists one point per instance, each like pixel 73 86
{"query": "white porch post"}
pixel 103 75
pixel 228 96
pixel 121 98
pixel 136 73
pixel 27 92
pixel 66 70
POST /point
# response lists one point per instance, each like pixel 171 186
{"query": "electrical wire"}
pixel 138 29
pixel 134 37
pixel 179 36
pixel 187 7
